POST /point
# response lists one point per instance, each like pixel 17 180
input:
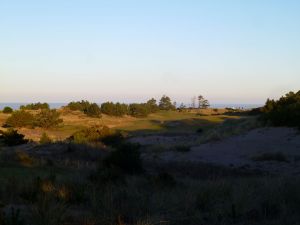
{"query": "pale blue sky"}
pixel 231 51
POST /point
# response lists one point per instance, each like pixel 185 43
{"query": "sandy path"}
pixel 237 151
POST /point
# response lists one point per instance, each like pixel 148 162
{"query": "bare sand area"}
pixel 275 150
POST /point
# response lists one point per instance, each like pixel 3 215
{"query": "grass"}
pixel 163 193
pixel 164 197
pixel 163 121
pixel 28 173
pixel 172 122
pixel 277 156
pixel 231 126
pixel 182 193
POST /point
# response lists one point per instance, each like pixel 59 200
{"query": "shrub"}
pixel 91 134
pixel 93 110
pixel 199 130
pixel 11 137
pixel 114 139
pixel 283 112
pixel 126 157
pixel 164 179
pixel 20 118
pixel 45 139
pixel 48 118
pixel 7 110
pixel 139 110
pixel 35 106
pixel 113 109
pixel 90 109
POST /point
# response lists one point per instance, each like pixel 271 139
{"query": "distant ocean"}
pixel 17 105
pixel 236 106
pixel 58 105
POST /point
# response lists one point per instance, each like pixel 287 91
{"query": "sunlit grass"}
pixel 162 121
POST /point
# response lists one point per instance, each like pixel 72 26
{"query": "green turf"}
pixel 173 121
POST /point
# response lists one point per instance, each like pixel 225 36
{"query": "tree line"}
pixel 48 118
pixel 284 111
pixel 122 109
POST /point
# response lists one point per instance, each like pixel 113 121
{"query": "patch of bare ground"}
pixel 240 151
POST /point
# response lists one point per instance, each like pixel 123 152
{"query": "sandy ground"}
pixel 238 151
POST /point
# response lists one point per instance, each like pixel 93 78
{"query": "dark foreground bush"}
pixel 7 110
pixel 114 139
pixel 126 157
pixel 11 137
pixel 90 135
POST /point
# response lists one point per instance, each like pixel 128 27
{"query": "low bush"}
pixel 7 110
pixel 126 157
pixel 139 110
pixel 11 137
pixel 199 130
pixel 90 135
pixel 164 179
pixel 20 118
pixel 48 118
pixel 114 139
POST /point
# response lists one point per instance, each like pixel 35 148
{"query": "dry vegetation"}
pixel 57 180
pixel 169 121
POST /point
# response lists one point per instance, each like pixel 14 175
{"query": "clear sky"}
pixel 231 51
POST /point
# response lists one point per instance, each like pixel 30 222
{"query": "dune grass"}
pixel 163 121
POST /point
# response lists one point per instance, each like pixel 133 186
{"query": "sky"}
pixel 230 51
